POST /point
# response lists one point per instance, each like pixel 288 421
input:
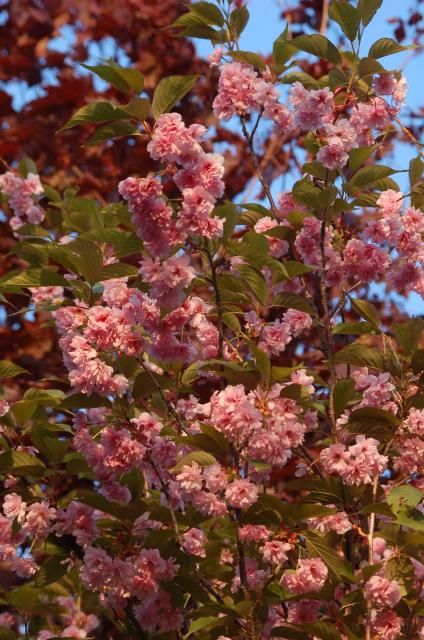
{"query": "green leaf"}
pixel 113 130
pixel 206 624
pixel 170 91
pixel 305 192
pixel 90 259
pixel 300 76
pixel 358 156
pixel 118 270
pixel 23 410
pixel 282 51
pixel 404 497
pixel 385 47
pixel 367 175
pixel 255 281
pixel 416 168
pixel 239 19
pixel 366 310
pixel 322 630
pixel 263 362
pixel 139 108
pixel 344 392
pixel 417 363
pixel 317 45
pixel 51 571
pixel 97 112
pixel 361 355
pixel 34 278
pixel 201 457
pixel 368 9
pixel 373 422
pixel 347 17
pixel 248 58
pixel 353 328
pixel 123 78
pixel 20 463
pixel 47 443
pixel 408 334
pixel 368 67
pixel 209 12
pixel 293 301
pixel 81 401
pixel 340 568
pixel 231 320
pixel 403 502
pixel 26 166
pixel 10 370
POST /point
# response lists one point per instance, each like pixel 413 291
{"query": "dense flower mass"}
pixel 234 446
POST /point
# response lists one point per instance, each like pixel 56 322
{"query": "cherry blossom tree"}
pixel 234 447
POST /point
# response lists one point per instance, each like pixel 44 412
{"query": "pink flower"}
pixel 190 478
pixel 333 155
pixel 194 542
pixel 382 592
pixel 303 611
pixel 241 494
pixel 236 91
pixel 172 141
pixel 233 413
pixel 277 246
pixel 14 507
pixel 334 459
pixel 168 278
pixel 38 519
pixel 275 337
pixel 97 568
pixel 4 407
pixel 310 575
pixel 254 533
pixel 78 520
pixel 387 625
pixel 157 613
pixel 215 57
pixel 339 523
pixel 311 108
pixel 390 201
pixel 298 321
pixel 414 422
pixel 363 261
pixel 275 552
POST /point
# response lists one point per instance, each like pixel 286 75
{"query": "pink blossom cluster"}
pixel 137 577
pixel 128 322
pixel 118 450
pixel 46 295
pixel 339 523
pixel 376 390
pixel 310 575
pixel 241 90
pixel 35 521
pixel 23 194
pixel 275 336
pixel 401 232
pixel 382 592
pixel 196 173
pixel 76 623
pixel 358 464
pixel 267 427
pixel 391 247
